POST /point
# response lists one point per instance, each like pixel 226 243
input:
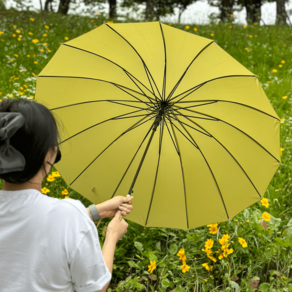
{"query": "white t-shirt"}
pixel 47 244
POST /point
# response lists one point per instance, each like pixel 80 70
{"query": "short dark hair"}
pixel 33 140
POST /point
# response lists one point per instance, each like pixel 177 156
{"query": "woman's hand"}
pixel 109 208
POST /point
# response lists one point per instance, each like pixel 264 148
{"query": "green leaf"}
pixel 139 246
pixel 173 248
pixel 132 264
pixel 234 285
pixel 264 287
pixel 152 257
pixel 165 283
pixel 246 214
pixel 158 246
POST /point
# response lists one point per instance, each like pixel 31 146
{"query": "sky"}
pixel 196 13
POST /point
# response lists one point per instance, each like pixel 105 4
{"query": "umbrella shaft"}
pixel 155 125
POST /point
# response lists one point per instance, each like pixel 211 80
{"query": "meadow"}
pixel 251 252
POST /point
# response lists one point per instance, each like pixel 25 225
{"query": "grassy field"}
pixel 258 253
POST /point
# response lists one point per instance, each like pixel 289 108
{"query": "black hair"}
pixel 33 140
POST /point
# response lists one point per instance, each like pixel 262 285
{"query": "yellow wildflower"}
pixel 66 38
pixel 281 150
pixel 30 33
pixel 212 258
pixel 274 70
pixel 65 192
pixel 207 251
pixel 28 56
pixel 67 197
pixel 44 35
pixel 31 19
pixel 152 266
pixel 242 242
pixel 15 55
pixel 35 62
pixel 213 228
pixel 247 221
pixel 50 178
pixel 14 35
pixel 47 27
pixel 56 174
pixel 226 236
pixel 209 243
pixel 231 15
pixel 283 62
pixel 212 34
pixel 266 216
pixel 250 36
pixel 246 49
pixel 1 32
pixel 185 267
pixel 285 97
pixel 35 41
pixel 280 66
pixel 187 27
pixel 282 120
pixel 181 253
pixel 245 26
pixel 265 202
pixel 17 31
pixel 230 26
pixel 45 190
pixel 207 267
pixel 109 22
pixel 195 29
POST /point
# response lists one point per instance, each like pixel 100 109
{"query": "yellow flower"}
pixel 285 97
pixel 31 19
pixel 226 236
pixel 265 202
pixel 47 27
pixel 185 267
pixel 274 70
pixel 14 35
pixel 212 258
pixel 282 120
pixel 246 49
pixel 170 24
pixel 245 26
pixel 187 27
pixel 109 22
pixel 92 20
pixel 44 35
pixel 67 197
pixel 45 190
pixel 50 178
pixel 207 267
pixel 229 251
pixel 152 266
pixel 45 44
pixel 283 62
pixel 242 242
pixel 266 216
pixel 66 38
pixel 207 251
pixel 209 243
pixel 281 150
pixel 97 13
pixel 11 60
pixel 35 62
pixel 247 221
pixel 213 228
pixel 212 34
pixel 28 56
pixel 42 50
pixel 268 81
pixel 65 192
pixel 181 253
pixel 30 33
pixel 255 23
pixel 35 41
pixel 17 31
pixel 250 36
pixel 230 26
pixel 280 66
pixel 195 29
pixel 231 15
pixel 55 174
pixel 15 55
pixel 19 39
pixel 1 32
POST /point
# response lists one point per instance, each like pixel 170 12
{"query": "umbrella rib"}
pixel 229 154
pixel 111 119
pixel 125 132
pixel 211 102
pixel 155 180
pixel 92 101
pixel 179 81
pixel 146 70
pixel 210 169
pixel 183 176
pixel 95 79
pixel 192 142
pixel 130 163
pixel 198 86
pixel 125 71
pixel 164 75
pixel 138 56
pixel 219 120
pixel 176 148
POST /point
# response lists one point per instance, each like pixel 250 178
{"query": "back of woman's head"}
pixel 33 140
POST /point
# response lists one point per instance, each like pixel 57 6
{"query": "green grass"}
pixel 267 258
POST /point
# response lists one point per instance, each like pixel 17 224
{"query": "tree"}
pixel 281 17
pixel 64 6
pixel 182 6
pixel 226 8
pixel 253 10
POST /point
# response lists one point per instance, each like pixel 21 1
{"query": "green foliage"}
pixel 265 263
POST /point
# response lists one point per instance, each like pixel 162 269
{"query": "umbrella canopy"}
pixel 170 114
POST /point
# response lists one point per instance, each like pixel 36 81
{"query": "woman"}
pixel 47 244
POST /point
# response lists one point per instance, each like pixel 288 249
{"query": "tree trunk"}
pixel 281 13
pixel 41 5
pixel 47 5
pixel 112 8
pixel 253 10
pixel 226 10
pixel 64 6
pixel 149 12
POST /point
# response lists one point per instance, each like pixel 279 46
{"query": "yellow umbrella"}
pixel 216 146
